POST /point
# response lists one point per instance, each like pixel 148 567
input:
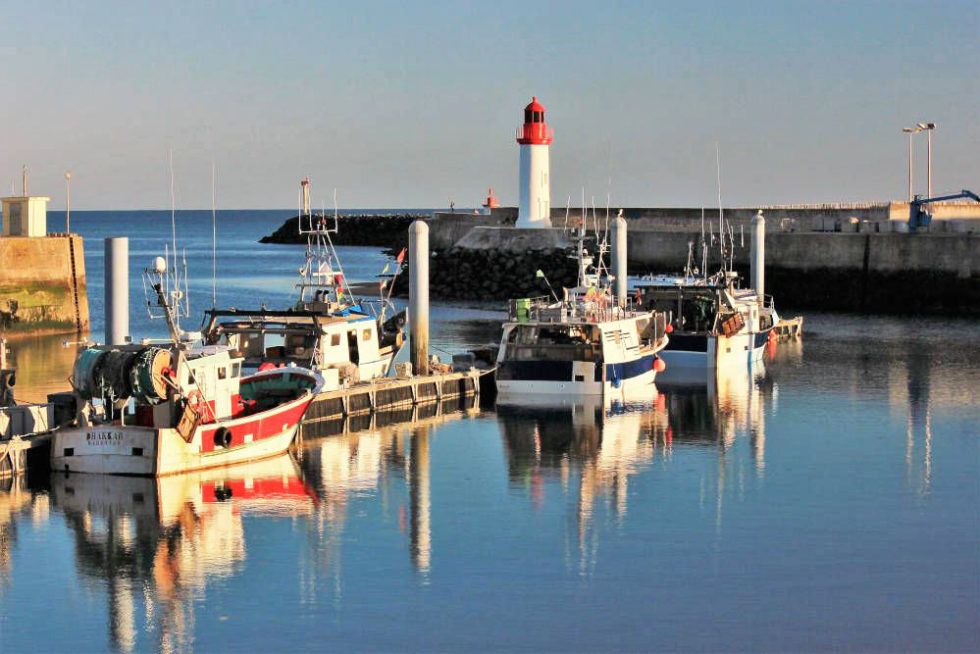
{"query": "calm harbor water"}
pixel 828 500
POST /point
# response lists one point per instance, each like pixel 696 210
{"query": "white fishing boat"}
pixel 714 323
pixel 586 343
pixel 329 329
pixel 176 406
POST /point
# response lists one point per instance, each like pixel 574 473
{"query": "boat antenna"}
pixel 214 240
pixel 568 207
pixel 173 206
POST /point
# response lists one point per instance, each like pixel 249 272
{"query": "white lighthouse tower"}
pixel 535 189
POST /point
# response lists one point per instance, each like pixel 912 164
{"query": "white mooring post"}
pixel 758 256
pixel 619 259
pixel 116 290
pixel 418 296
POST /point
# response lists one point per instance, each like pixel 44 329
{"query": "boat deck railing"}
pixel 544 309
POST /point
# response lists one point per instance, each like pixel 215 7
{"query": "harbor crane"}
pixel 919 217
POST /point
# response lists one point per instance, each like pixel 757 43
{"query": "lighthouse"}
pixel 534 138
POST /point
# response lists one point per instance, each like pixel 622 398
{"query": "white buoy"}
pixel 418 296
pixel 116 290
pixel 758 256
pixel 619 259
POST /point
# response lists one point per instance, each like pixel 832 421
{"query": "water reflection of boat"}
pixel 600 444
pixel 15 501
pixel 173 534
pixel 592 449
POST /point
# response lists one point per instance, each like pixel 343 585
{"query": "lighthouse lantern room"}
pixel 534 138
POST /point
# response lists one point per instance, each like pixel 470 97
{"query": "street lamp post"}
pixel 911 131
pixel 68 202
pixel 928 128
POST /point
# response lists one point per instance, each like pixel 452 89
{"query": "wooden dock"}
pixel 399 418
pixel 368 405
pixel 391 394
pixel 14 452
pixel 789 328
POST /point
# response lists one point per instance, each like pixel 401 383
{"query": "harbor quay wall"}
pixel 446 229
pixel 883 273
pixel 42 285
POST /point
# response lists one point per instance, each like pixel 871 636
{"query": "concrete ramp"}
pixel 512 239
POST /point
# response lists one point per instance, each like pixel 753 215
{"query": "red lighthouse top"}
pixel 535 131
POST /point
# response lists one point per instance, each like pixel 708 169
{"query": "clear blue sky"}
pixel 411 104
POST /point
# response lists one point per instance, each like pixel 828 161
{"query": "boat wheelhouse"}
pixel 329 330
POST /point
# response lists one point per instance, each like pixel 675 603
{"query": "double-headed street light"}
pixel 928 127
pixel 911 131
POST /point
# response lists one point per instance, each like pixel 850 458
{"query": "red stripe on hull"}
pixel 262 426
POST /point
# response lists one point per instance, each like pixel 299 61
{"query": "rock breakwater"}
pixel 382 230
pixel 465 274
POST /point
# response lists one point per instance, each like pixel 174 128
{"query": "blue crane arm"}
pixel 918 217
pixel 955 196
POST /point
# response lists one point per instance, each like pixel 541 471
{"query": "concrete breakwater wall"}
pixel 42 285
pixel 885 273
pixel 383 230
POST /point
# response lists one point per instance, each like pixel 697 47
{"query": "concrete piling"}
pixel 758 256
pixel 116 290
pixel 418 296
pixel 619 259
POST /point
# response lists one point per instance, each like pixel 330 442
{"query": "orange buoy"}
pixel 669 329
pixel 659 365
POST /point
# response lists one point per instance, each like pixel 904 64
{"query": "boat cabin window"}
pixel 222 373
pixel 366 335
pixel 554 343
pixel 334 340
pixel 236 369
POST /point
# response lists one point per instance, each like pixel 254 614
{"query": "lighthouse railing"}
pixel 535 131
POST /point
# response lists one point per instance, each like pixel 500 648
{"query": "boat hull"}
pixel 582 378
pixel 144 451
pixel 689 357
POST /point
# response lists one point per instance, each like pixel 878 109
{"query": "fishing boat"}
pixel 586 343
pixel 329 329
pixel 714 323
pixel 156 409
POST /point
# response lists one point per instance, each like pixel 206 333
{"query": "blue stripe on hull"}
pixel 629 369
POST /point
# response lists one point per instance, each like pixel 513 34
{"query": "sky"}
pixel 415 104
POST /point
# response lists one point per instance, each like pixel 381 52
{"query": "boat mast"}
pixel 721 212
